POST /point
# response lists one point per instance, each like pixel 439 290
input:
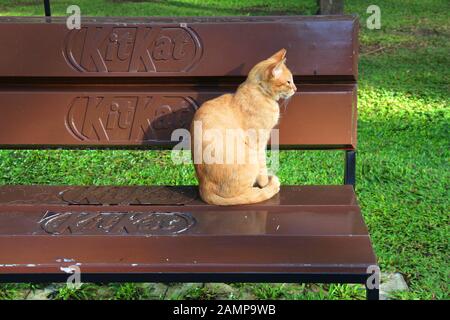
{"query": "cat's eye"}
pixel 289 82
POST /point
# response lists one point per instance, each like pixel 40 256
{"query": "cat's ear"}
pixel 276 69
pixel 279 56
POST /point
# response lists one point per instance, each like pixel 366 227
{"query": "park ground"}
pixel 403 152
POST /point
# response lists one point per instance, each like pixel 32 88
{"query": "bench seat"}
pixel 113 233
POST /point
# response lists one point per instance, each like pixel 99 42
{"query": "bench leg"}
pixel 350 167
pixel 372 294
pixel 47 8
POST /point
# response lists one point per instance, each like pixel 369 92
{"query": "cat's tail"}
pixel 252 195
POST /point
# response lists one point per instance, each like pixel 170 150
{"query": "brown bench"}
pixel 128 83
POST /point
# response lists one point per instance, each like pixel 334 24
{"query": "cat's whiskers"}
pixel 285 103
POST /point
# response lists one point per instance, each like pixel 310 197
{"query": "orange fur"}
pixel 253 106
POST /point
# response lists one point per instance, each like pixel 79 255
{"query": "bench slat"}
pixel 111 254
pixel 159 220
pixel 182 47
pixel 144 117
pixel 47 196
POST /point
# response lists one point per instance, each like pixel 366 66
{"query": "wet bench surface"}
pixel 128 83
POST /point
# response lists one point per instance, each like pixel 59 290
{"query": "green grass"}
pixel 161 7
pixel 403 153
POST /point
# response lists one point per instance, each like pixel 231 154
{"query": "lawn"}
pixel 402 168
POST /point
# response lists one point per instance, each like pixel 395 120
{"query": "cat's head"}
pixel 274 77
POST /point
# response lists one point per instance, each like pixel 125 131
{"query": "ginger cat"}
pixel 254 106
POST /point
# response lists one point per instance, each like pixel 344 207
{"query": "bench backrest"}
pixel 129 82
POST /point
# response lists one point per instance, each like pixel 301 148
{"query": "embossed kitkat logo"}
pixel 130 195
pixel 137 223
pixel 128 118
pixel 133 49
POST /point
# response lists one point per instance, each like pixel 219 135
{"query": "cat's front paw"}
pixel 275 182
pixel 262 180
